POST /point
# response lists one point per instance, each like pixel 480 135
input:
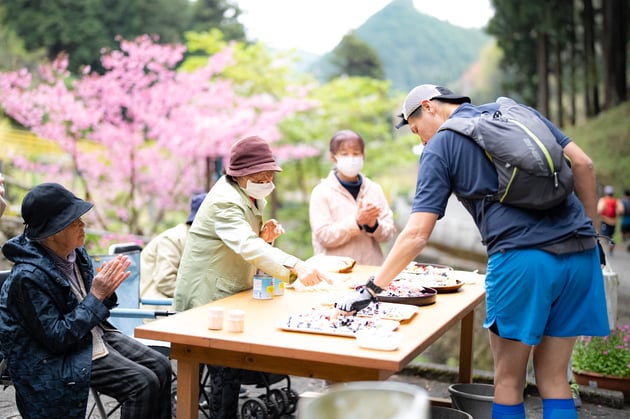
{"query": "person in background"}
pixel 348 212
pixel 608 208
pixel 625 219
pixel 3 203
pixel 542 265
pixel 160 258
pixel 53 313
pixel 228 242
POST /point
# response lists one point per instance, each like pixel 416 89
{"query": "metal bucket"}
pixel 611 287
pixel 439 412
pixel 473 398
pixel 367 399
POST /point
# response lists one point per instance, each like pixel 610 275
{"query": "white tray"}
pixel 390 311
pixel 317 322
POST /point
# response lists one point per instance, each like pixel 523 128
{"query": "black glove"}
pixel 602 254
pixel 360 299
pixel 356 302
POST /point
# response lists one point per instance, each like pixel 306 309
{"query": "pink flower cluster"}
pixel 608 355
pixel 153 131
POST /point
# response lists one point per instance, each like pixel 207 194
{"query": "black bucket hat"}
pixel 48 208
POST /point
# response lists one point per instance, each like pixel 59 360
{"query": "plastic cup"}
pixel 215 318
pixel 235 321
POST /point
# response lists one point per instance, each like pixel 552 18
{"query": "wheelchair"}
pixel 272 403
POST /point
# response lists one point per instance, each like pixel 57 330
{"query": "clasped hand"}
pixel 271 230
pixel 110 275
pixel 367 213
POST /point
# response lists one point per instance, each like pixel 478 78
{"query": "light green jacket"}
pixel 224 250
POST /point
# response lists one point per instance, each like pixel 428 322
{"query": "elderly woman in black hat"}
pixel 53 327
pixel 228 242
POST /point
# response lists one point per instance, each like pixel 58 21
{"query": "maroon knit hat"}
pixel 251 155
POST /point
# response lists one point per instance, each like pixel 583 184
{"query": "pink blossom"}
pixel 140 135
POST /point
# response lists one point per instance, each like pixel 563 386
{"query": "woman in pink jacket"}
pixel 348 212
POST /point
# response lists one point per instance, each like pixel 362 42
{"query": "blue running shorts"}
pixel 531 293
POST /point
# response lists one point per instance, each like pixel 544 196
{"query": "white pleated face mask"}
pixel 349 166
pixel 258 190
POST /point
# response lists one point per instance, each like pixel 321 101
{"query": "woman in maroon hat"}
pixel 53 312
pixel 228 242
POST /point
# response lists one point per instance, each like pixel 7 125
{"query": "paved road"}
pixel 620 263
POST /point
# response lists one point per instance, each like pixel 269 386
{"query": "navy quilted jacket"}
pixel 45 332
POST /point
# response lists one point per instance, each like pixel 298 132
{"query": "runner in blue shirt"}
pixel 542 265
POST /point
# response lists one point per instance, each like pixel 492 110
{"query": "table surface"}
pixel 263 336
pixel 264 346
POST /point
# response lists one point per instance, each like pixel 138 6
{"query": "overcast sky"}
pixel 317 26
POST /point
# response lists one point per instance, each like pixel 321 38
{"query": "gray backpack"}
pixel 533 171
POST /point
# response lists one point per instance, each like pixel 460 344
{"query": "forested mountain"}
pixel 416 48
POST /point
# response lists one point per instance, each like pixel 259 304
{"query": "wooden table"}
pixel 263 346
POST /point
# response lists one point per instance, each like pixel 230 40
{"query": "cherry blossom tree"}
pixel 142 136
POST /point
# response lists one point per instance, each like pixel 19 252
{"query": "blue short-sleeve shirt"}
pixel 453 163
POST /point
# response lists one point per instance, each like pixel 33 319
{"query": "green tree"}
pixel 14 55
pixel 554 50
pixel 615 51
pixel 354 57
pixel 255 69
pixel 219 14
pixel 512 26
pixel 82 27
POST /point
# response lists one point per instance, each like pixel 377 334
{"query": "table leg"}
pixel 187 389
pixel 466 348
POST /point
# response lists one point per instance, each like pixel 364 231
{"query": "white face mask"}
pixel 349 166
pixel 258 190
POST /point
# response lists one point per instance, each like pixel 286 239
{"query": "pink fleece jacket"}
pixel 332 213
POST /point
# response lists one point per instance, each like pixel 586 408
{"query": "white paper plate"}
pixel 378 340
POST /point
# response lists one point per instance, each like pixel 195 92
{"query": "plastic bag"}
pixel 611 287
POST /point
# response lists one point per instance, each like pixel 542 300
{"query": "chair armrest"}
pixel 139 313
pixel 133 313
pixel 157 301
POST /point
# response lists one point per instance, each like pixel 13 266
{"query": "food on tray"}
pixel 424 268
pixel 431 281
pixel 390 311
pixel 432 276
pixel 340 264
pixel 425 298
pixel 322 321
pixel 405 288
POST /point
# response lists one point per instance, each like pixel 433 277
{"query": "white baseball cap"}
pixel 427 92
